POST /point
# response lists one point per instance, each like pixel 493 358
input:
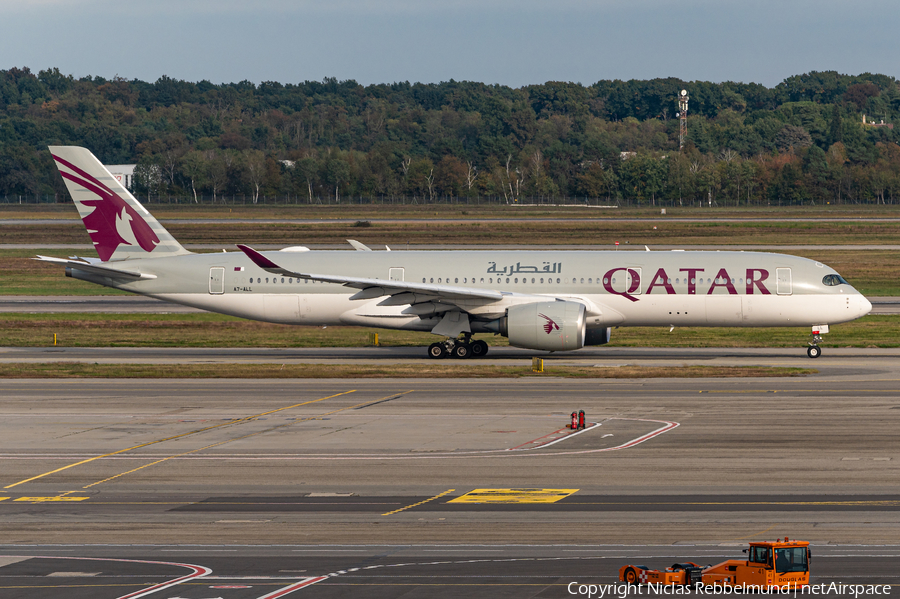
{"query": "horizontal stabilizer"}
pixel 97 269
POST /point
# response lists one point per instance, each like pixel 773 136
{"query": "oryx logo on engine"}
pixel 550 325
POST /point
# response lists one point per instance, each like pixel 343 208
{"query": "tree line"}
pixel 803 141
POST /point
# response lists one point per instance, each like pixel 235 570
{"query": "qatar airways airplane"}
pixel 538 299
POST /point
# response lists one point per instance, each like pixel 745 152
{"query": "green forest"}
pixel 814 138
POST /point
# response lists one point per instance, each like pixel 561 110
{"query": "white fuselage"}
pixel 628 288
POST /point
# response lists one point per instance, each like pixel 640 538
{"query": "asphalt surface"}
pixel 385 571
pixel 424 221
pixel 457 488
pixel 833 359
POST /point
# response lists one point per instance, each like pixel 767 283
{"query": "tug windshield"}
pixel 791 559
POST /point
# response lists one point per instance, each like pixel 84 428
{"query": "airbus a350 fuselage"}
pixel 633 288
pixel 539 299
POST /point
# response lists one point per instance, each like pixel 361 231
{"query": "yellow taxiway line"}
pixel 202 430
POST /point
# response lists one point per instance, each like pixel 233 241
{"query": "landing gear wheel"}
pixel 814 351
pixel 437 351
pixel 631 576
pixel 478 348
pixel 461 350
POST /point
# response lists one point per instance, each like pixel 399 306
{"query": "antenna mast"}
pixel 682 113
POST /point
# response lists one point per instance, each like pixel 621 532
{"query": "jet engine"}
pixel 551 326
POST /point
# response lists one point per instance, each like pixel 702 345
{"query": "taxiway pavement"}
pixel 427 487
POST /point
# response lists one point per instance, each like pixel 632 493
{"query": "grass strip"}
pixel 424 369
pixel 531 232
pixel 219 331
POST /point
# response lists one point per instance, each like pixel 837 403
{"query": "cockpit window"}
pixel 832 280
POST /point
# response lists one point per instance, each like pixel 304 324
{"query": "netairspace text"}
pixel 623 590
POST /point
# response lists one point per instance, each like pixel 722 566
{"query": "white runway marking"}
pixel 196 571
pixel 489 453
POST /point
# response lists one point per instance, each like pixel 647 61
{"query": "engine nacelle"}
pixel 551 326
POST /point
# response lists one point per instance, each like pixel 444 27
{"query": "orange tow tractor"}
pixel 782 564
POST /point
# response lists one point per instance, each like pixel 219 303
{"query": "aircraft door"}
pixel 395 274
pixel 783 281
pixel 217 280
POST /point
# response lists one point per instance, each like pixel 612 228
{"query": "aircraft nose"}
pixel 864 306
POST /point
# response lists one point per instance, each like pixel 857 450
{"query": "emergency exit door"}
pixel 396 274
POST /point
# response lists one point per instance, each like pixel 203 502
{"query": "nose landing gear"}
pixel 814 351
pixel 458 348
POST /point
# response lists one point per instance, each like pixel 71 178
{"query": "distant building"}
pixel 874 124
pixel 124 173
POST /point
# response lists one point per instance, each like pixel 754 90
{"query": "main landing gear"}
pixel 458 348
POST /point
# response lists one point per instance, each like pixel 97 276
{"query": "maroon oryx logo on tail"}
pixel 550 325
pixel 112 222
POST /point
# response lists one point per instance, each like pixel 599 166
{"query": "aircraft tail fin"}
pixel 120 227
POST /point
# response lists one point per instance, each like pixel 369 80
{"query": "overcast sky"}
pixel 511 42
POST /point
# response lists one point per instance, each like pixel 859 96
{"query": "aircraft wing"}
pixel 452 305
pixel 97 269
pixel 372 288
